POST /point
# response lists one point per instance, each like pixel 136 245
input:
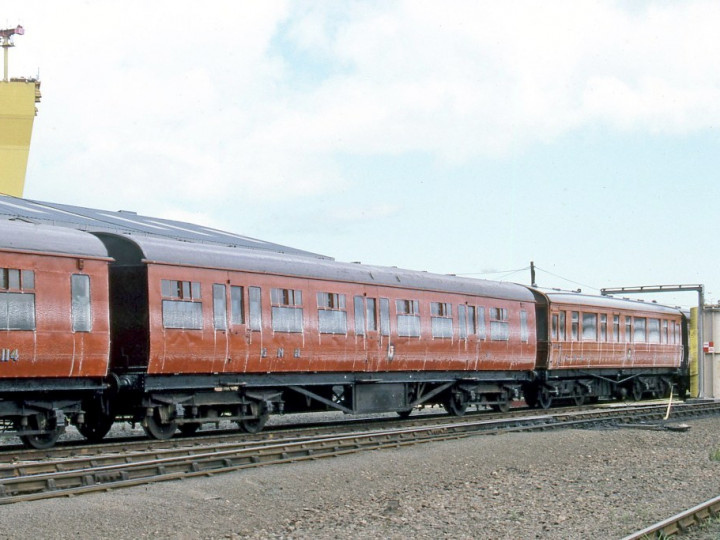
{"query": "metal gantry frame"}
pixel 700 289
pixel 6 42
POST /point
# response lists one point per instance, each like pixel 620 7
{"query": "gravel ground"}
pixel 562 484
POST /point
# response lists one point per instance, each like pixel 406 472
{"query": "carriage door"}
pixel 366 332
pixel 221 344
pixel 81 318
pixel 237 333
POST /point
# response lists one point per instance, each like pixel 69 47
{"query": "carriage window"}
pixel 17 308
pixel 639 334
pixel 286 297
pixel 371 312
pixel 462 321
pixel 472 325
pixel 359 304
pixel 179 314
pixel 441 319
pixel 664 336
pixel 184 310
pixel 616 328
pixel 237 310
pixel 14 279
pixel 81 310
pixel 603 327
pixel 408 318
pixel 255 301
pixel 574 325
pixel 219 307
pixel 482 334
pixel 330 300
pixel 628 329
pixel 332 317
pixel 562 326
pixel 524 336
pixel 653 330
pixel 183 290
pixel 385 316
pixel 17 311
pixel 589 327
pixel 499 324
pixel 287 312
pixel 554 326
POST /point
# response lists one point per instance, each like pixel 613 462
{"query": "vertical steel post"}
pixel 700 317
pixel 532 274
pixel 700 333
pixel 5 47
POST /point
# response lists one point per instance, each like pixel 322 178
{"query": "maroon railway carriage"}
pixel 593 347
pixel 54 329
pixel 201 331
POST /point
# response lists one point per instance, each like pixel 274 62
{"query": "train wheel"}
pixel 544 399
pixel 40 441
pixel 503 404
pixel 254 425
pixel 637 391
pixel 579 397
pixel 405 413
pixel 188 429
pixel 96 425
pixel 157 429
pixel 456 404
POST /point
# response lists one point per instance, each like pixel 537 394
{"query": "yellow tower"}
pixel 17 112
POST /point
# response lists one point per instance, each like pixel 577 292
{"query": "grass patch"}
pixel 715 455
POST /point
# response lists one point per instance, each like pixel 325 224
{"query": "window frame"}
pixel 407 313
pixel 332 313
pixel 220 318
pixel 499 323
pixel 183 298
pixel 286 310
pixel 237 305
pixel 440 317
pixel 589 322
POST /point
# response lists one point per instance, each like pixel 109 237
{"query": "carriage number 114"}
pixel 9 354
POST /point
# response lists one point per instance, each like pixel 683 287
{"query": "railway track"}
pixel 680 523
pixel 80 447
pixel 66 476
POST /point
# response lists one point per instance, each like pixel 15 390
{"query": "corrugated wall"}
pixel 693 356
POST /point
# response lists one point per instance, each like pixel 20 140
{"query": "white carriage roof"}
pixel 93 220
pixel 163 251
pixel 608 302
pixel 23 236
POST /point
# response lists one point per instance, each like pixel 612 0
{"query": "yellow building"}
pixel 17 112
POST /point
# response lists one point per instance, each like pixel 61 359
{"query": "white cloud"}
pixel 188 102
pixel 481 78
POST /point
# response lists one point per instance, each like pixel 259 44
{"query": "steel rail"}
pixel 64 456
pixel 142 443
pixel 79 480
pixel 680 523
pixel 30 481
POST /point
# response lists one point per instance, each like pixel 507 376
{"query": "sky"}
pixel 453 137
